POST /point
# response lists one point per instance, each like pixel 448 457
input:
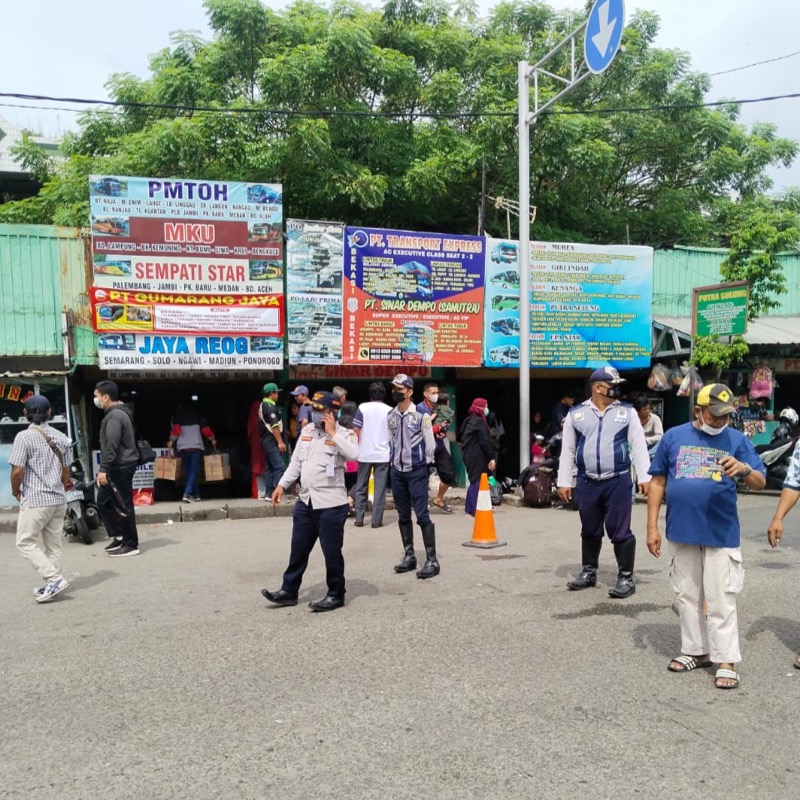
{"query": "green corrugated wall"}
pixel 42 274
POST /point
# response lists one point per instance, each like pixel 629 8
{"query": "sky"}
pixel 69 49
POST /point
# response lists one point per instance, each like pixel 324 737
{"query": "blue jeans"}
pixel 191 467
pixel 275 468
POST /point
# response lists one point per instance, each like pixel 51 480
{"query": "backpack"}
pixel 538 490
pixel 761 383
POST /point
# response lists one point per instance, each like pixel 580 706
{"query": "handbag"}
pixel 146 453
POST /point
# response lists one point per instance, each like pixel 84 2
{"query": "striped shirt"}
pixel 41 479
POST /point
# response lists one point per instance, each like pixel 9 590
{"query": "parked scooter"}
pixel 82 516
pixel 778 453
pixel 541 479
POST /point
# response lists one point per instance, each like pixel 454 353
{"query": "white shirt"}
pixel 371 420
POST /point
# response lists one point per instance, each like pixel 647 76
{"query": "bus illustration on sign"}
pixel 416 344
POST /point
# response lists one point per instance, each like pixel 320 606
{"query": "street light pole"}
pixel 523 254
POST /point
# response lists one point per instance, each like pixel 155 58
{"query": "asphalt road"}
pixel 169 676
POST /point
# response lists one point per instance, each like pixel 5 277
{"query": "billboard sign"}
pixel 720 310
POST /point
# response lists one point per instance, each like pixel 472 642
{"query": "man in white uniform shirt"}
pixel 371 421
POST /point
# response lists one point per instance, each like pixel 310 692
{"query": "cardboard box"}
pixel 217 467
pixel 167 469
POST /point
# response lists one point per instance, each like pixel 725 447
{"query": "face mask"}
pixel 317 418
pixel 613 392
pixel 711 431
pixel 434 398
pixel 486 412
pixel 398 397
pixel 98 402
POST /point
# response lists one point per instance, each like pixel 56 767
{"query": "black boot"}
pixel 626 554
pixel 409 561
pixel 590 553
pixel 431 567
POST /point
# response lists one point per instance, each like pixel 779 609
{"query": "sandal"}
pixel 687 664
pixel 726 674
pixel 443 506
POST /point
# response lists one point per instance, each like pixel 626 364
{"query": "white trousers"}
pixel 39 533
pixel 707 580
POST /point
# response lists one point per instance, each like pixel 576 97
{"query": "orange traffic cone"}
pixel 483 532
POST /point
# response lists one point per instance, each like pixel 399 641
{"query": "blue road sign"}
pixel 603 34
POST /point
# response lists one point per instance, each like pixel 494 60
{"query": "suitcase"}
pixel 538 491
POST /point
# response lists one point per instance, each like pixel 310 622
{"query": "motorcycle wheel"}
pixel 92 518
pixel 82 531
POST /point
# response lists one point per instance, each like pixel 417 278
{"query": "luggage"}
pixel 538 490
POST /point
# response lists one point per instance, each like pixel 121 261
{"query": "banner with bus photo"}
pixel 192 239
pixel 314 253
pixel 590 305
pixel 412 298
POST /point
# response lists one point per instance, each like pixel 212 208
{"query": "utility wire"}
pixel 754 64
pixel 382 114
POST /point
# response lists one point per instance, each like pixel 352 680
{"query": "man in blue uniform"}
pixel 412 450
pixel 599 437
pixel 321 508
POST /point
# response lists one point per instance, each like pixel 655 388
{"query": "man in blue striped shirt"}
pixel 599 438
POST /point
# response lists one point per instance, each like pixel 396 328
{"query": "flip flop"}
pixel 688 663
pixel 726 673
pixel 443 506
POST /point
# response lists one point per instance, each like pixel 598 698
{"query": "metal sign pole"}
pixel 523 254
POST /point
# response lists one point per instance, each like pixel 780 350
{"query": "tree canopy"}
pixel 386 117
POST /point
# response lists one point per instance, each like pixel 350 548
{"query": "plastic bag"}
pixel 495 491
pixel 659 378
pixel 761 383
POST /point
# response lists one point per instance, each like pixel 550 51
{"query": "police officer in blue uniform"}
pixel 412 450
pixel 321 509
pixel 599 437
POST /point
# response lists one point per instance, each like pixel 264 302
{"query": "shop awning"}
pixel 765 331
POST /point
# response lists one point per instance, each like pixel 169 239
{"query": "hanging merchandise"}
pixel 659 378
pixel 692 379
pixel 676 375
pixel 761 382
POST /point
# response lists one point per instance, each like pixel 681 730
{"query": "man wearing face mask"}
pixel 600 436
pixel 697 465
pixel 321 509
pixel 412 450
pixel 119 459
pixel 441 457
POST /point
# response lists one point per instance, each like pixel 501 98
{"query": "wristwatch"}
pixel 745 474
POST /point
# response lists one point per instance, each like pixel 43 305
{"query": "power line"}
pixel 754 64
pixel 378 114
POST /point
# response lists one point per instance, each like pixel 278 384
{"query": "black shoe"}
pixel 114 544
pixel 122 551
pixel 586 579
pixel 430 569
pixel 280 598
pixel 406 565
pixel 625 586
pixel 328 603
pixel 379 525
pixel 359 523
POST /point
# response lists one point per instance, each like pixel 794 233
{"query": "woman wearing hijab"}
pixel 476 449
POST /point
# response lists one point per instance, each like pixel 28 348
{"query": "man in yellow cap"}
pixel 697 465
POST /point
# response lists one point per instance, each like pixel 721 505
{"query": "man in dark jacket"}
pixel 119 459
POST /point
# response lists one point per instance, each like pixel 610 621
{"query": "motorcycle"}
pixel 777 455
pixel 548 470
pixel 82 516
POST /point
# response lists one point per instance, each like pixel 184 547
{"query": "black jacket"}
pixel 117 439
pixel 476 446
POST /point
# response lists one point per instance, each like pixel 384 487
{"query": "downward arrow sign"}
pixel 602 38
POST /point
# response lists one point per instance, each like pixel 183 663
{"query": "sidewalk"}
pixel 235 508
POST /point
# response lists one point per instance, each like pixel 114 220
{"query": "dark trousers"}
pixel 605 503
pixel 308 525
pixel 191 467
pixel 274 468
pixel 381 473
pixel 443 462
pixel 471 500
pixel 109 507
pixel 411 489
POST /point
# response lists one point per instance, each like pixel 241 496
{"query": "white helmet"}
pixel 789 416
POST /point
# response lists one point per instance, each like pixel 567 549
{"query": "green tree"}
pixel 384 116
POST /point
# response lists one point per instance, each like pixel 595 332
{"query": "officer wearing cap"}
pixel 321 508
pixel 39 473
pixel 600 436
pixel 271 435
pixel 697 466
pixel 412 450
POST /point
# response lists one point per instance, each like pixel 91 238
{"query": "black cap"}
pixel 36 405
pixel 324 400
